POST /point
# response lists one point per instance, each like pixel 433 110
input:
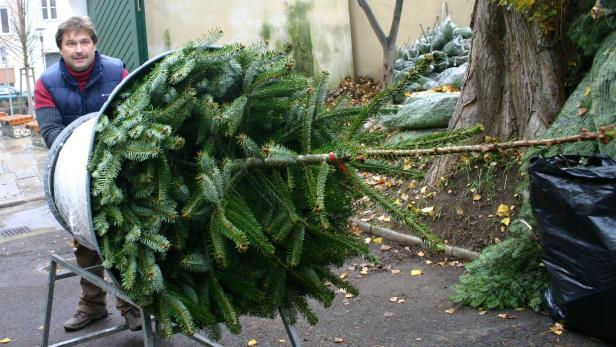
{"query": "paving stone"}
pixel 25 173
pixel 30 185
pixel 9 189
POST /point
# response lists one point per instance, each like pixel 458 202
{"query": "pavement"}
pixel 420 314
pixel 22 169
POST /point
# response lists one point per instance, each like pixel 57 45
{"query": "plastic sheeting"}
pixel 574 200
pixel 71 184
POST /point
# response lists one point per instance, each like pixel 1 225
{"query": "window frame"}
pixel 8 21
pixel 49 10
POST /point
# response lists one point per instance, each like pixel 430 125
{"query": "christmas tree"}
pixel 221 186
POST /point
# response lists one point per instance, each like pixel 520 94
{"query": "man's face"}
pixel 77 49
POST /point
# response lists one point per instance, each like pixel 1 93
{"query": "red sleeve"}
pixel 42 97
pixel 124 73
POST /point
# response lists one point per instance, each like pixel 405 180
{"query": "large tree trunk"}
pixel 514 85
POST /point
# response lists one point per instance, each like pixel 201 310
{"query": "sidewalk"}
pixel 22 169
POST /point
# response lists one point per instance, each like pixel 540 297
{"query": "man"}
pixel 79 84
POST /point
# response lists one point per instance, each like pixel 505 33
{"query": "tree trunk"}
pixel 388 64
pixel 514 84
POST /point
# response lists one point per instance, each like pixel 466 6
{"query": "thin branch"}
pixel 395 23
pixel 605 134
pixel 373 22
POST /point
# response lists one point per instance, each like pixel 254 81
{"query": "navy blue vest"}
pixel 73 103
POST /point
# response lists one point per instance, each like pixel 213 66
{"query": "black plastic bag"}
pixel 573 199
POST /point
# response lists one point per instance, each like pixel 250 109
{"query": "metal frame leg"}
pixel 293 335
pixel 50 288
pixel 146 324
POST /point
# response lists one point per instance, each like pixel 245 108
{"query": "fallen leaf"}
pixel 587 91
pixel 352 268
pixel 355 229
pixel 338 340
pixel 418 339
pixel 423 190
pixel 393 299
pixel 502 210
pixel 404 197
pixel 388 314
pixel 378 240
pixel 5 340
pixel 364 271
pixel 505 221
pixel 397 202
pixel 401 301
pixel 442 263
pixel 451 310
pixel 385 248
pixel 282 341
pixel 344 275
pixel 502 315
pixel 416 273
pixel 481 313
pixel 349 295
pixel 368 240
pixel 395 272
pixel 252 342
pixel 557 328
pixel 413 184
pixel 582 111
pixel 476 197
pixel 421 254
pixel 459 211
pixel 428 261
pixel 429 211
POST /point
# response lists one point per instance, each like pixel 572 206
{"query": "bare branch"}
pixel 373 22
pixel 395 23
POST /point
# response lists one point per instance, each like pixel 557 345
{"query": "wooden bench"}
pixel 35 134
pixel 15 126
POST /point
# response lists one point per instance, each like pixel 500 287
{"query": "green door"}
pixel 121 30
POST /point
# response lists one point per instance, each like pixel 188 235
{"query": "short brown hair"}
pixel 76 23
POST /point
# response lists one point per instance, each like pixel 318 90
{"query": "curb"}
pixel 21 200
pixel 392 235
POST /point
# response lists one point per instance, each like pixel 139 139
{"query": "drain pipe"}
pixel 412 240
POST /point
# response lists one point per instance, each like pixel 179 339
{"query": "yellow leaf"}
pixel 338 340
pixel 503 210
pixel 378 240
pixel 421 254
pixel 428 262
pixel 416 273
pixel 423 189
pixel 557 328
pixel 282 341
pixel 481 313
pixel 451 310
pixel 413 184
pixel 476 197
pixel 587 91
pixel 429 211
pixel 505 221
pixel 252 342
pixel 397 202
pixel 5 340
pixel 502 315
pixel 387 219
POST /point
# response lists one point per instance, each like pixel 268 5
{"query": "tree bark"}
pixel 514 84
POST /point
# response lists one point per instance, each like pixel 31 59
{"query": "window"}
pixel 4 20
pixel 49 9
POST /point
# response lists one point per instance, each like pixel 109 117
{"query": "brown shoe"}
pixel 81 320
pixel 133 319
